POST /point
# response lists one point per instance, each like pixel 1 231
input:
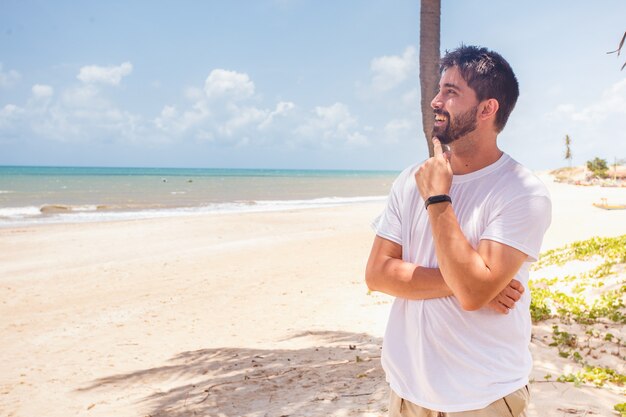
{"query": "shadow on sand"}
pixel 339 374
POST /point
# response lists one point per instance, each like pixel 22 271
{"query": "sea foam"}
pixel 54 213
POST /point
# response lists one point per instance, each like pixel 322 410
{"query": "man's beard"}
pixel 454 129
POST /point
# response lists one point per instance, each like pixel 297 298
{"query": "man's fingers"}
pixel 498 307
pixel 517 286
pixel 507 298
pixel 507 301
pixel 502 309
pixel 437 150
pixel 512 293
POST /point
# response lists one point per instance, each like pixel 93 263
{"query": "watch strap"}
pixel 434 199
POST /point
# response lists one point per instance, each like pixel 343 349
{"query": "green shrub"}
pixel 598 167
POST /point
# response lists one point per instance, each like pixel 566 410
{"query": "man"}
pixel 454 246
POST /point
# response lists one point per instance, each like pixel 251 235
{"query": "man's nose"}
pixel 436 102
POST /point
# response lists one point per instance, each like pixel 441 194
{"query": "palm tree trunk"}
pixel 430 18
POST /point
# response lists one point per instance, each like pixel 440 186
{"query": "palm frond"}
pixel 619 48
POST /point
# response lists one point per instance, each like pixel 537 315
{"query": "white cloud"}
pixel 357 139
pixel 391 71
pixel 207 119
pixel 82 96
pixel 10 110
pixel 411 99
pixel 242 118
pixel 282 109
pixel 168 114
pixel 224 111
pixel 229 84
pixel 399 129
pixel 9 78
pixel 111 75
pixel 597 127
pixel 219 113
pixel 11 121
pixel 332 124
pixel 566 108
pixel 611 104
pixel 9 114
pixel 338 115
pixel 41 91
pixel 108 124
pixel 194 93
pixel 174 123
pixel 79 114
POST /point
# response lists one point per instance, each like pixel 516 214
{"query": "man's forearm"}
pixel 406 280
pixel 475 275
pixel 471 278
pixel 388 273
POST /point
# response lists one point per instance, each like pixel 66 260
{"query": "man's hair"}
pixel 488 74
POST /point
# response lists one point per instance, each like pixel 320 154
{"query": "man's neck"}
pixel 473 152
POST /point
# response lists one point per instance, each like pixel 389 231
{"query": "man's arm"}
pixel 388 273
pixel 475 276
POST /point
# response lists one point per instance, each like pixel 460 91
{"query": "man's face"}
pixel 455 107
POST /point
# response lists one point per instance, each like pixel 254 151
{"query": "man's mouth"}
pixel 440 119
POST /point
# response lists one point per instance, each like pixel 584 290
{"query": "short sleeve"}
pixel 521 224
pixel 388 224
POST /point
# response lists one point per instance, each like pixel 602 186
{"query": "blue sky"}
pixel 291 84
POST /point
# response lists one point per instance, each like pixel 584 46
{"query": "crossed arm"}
pixel 476 277
pixel 388 273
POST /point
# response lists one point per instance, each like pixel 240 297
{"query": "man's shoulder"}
pixel 520 179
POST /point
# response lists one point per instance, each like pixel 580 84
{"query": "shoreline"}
pixel 573 201
pixel 15 217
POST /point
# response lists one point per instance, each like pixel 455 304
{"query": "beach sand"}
pixel 258 314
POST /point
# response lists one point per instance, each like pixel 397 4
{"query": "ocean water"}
pixel 40 195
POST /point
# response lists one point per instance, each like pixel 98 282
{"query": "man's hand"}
pixel 507 298
pixel 434 177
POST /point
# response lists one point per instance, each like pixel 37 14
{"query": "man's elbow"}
pixel 471 303
pixel 370 278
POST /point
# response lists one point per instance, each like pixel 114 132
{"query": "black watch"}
pixel 437 199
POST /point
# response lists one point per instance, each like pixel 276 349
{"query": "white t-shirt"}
pixel 435 354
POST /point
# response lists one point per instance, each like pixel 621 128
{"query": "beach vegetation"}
pixel 597 375
pixel 621 407
pixel 586 310
pixel 613 249
pixel 598 167
pixel 562 338
pixel 576 308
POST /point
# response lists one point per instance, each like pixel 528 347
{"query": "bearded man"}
pixel 454 246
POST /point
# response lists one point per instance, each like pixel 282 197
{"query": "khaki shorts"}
pixel 512 405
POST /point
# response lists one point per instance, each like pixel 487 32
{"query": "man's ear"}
pixel 488 108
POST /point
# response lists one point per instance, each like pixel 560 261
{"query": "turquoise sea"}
pixel 36 195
